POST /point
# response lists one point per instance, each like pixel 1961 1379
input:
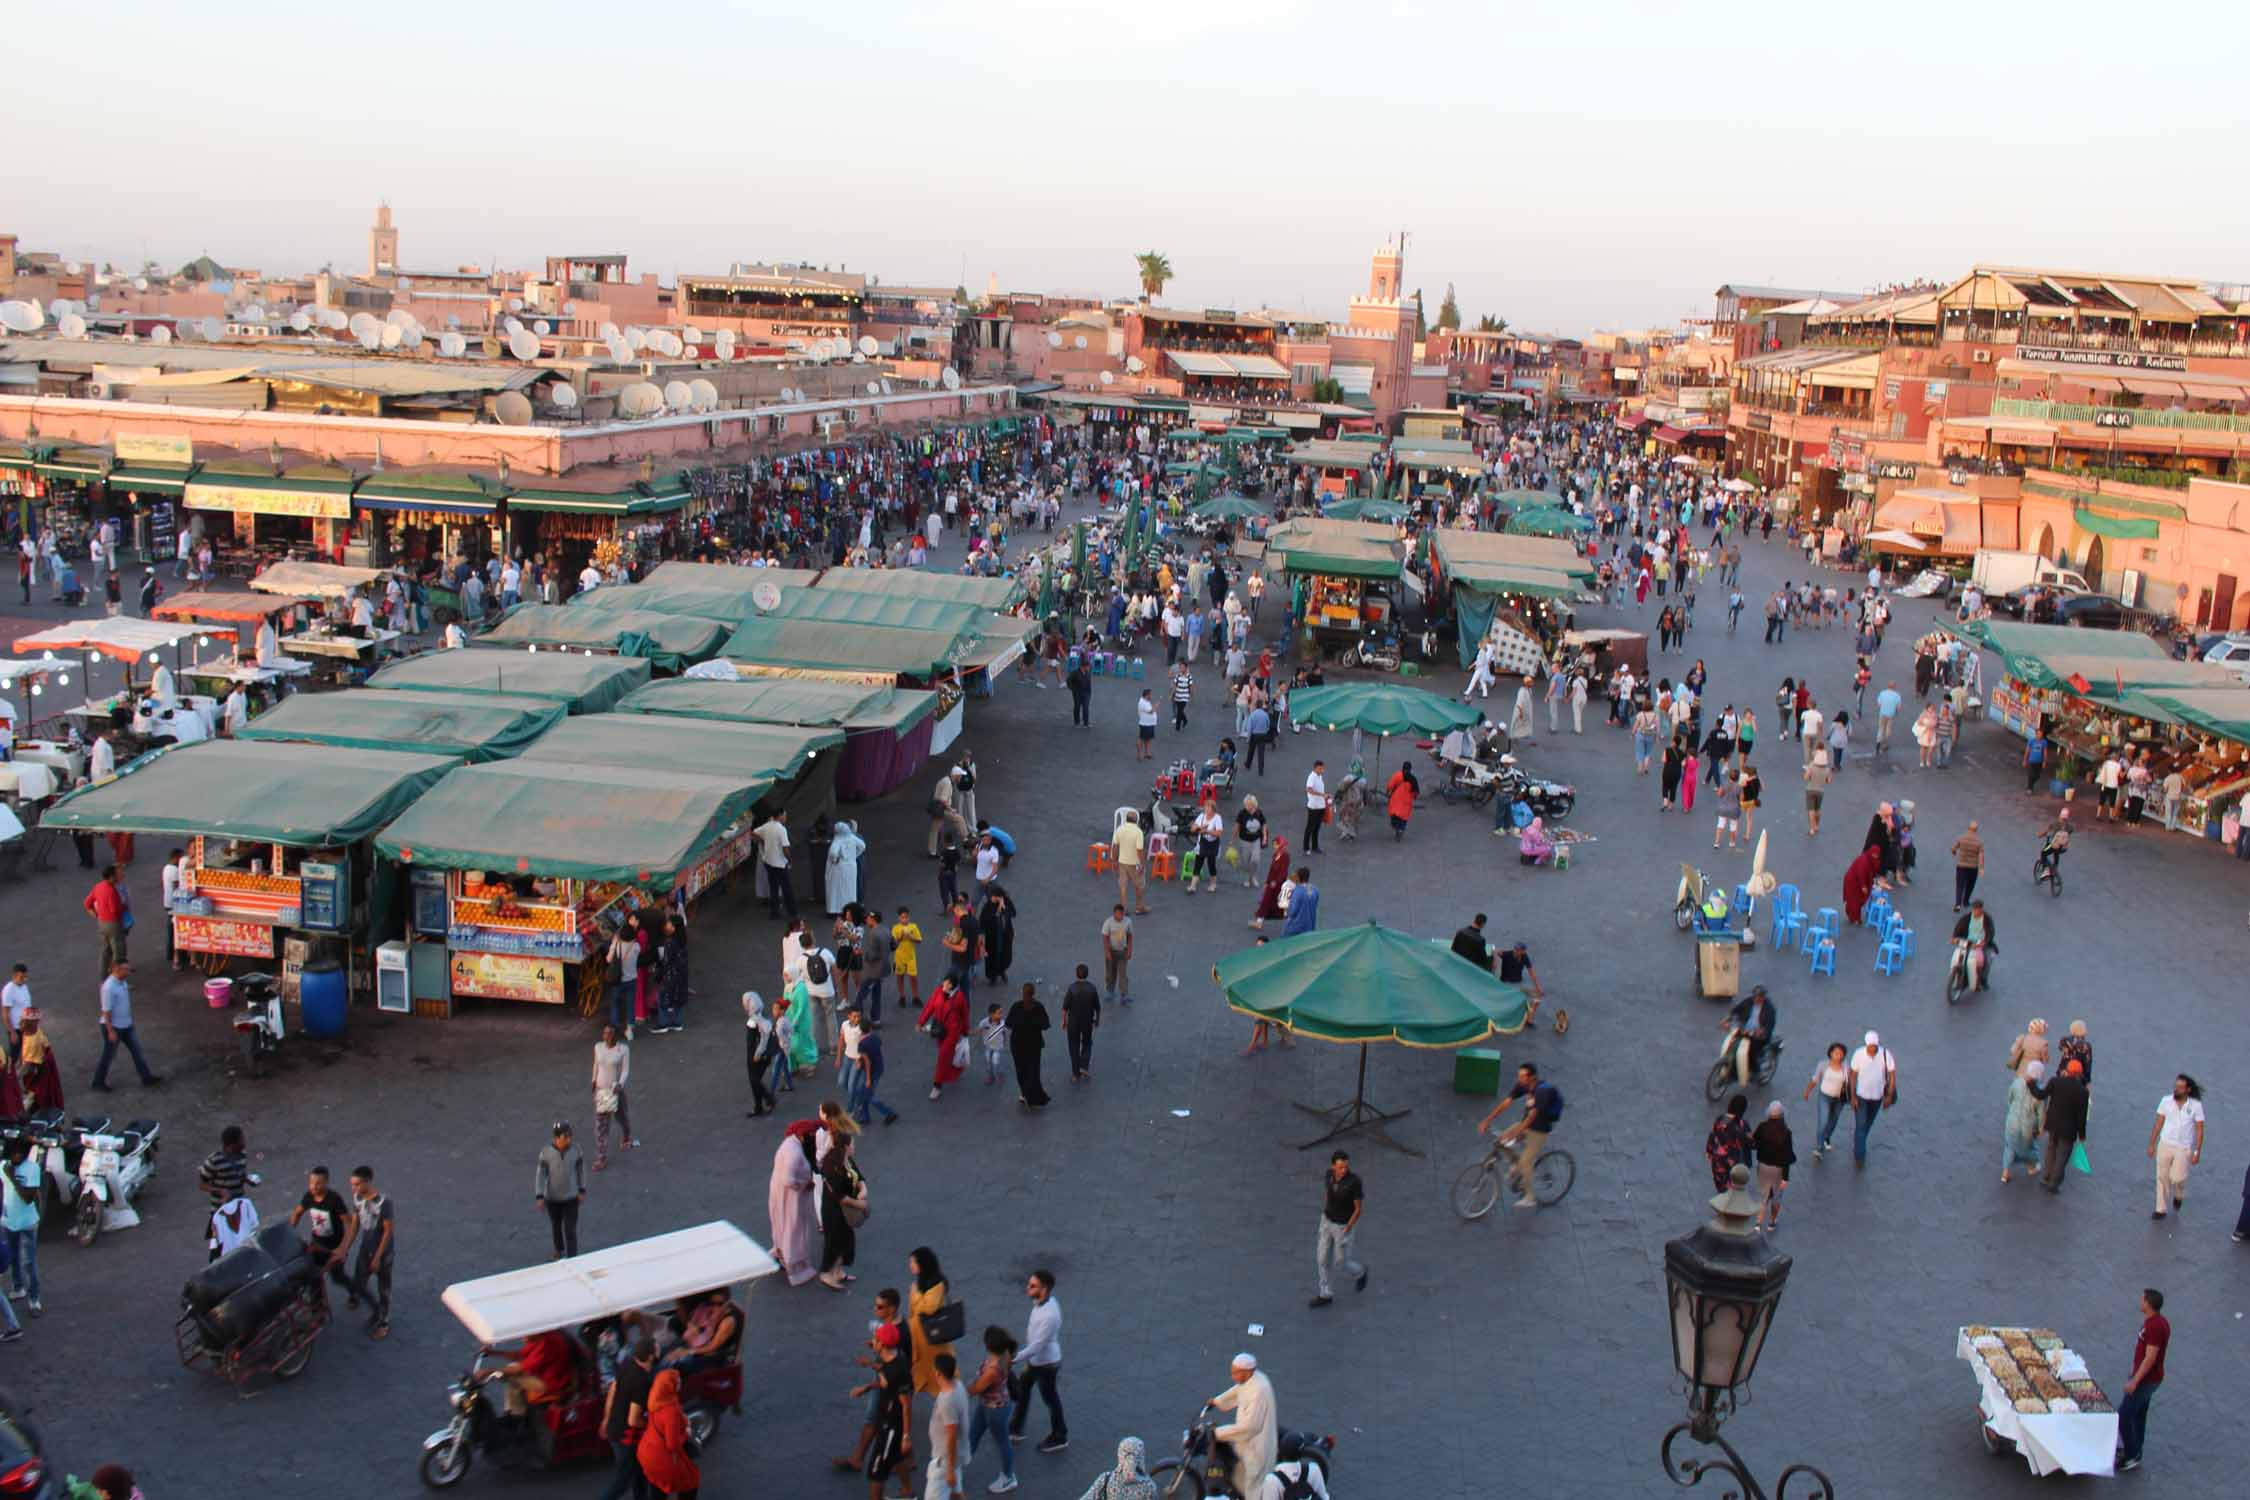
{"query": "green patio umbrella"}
pixel 1547 520
pixel 1364 984
pixel 1367 508
pixel 1379 708
pixel 1521 499
pixel 1232 508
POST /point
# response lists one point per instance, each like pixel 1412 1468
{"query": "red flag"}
pixel 2119 672
pixel 2079 685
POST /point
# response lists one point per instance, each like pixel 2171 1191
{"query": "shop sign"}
pixel 1957 476
pixel 219 935
pixel 564 944
pixel 507 976
pixel 261 502
pixel 1891 468
pixel 2103 359
pixel 1759 421
pixel 323 897
pixel 154 450
pixel 2113 416
pixel 1890 391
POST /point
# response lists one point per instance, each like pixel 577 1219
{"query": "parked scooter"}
pixel 257 1020
pixel 112 1169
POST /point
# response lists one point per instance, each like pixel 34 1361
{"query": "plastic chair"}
pixel 1824 956
pixel 1888 958
pixel 1101 857
pixel 1160 843
pixel 1786 899
pixel 1117 818
pixel 1744 902
pixel 1788 927
pixel 1163 865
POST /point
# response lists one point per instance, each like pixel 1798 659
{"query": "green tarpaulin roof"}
pixel 580 822
pixel 815 646
pixel 437 723
pixel 708 602
pixel 2119 528
pixel 704 746
pixel 1379 708
pixel 309 796
pixel 2044 656
pixel 2224 712
pixel 733 577
pixel 865 607
pixel 1351 549
pixel 1331 455
pixel 670 641
pixel 587 684
pixel 1371 984
pixel 813 705
pixel 957 588
pixel 1367 508
pixel 1500 563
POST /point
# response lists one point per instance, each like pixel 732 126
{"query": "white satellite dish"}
pixel 692 334
pixel 300 320
pixel 160 335
pixel 607 331
pixel 951 379
pixel 515 304
pixel 513 408
pixel 140 283
pixel 640 399
pixel 858 358
pixel 724 343
pixel 73 268
pixel 60 308
pixel 670 344
pixel 16 317
pixel 620 352
pixel 187 329
pixel 677 395
pixel 874 388
pixel 867 345
pixel 637 338
pixel 452 345
pixel 362 324
pixel 1079 342
pixel 523 344
pixel 1054 339
pixel 390 336
pixel 71 326
pixel 1107 378
pixel 1133 364
pixel 511 325
pixel 542 328
pixel 703 395
pixel 564 396
pixel 413 342
pixel 453 320
pixel 570 309
pixel 398 317
pixel 766 594
pixel 213 328
pixel 372 339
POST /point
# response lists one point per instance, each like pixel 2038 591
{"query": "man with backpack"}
pixel 1542 1111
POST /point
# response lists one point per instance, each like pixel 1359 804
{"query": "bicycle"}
pixel 2047 867
pixel 1476 1192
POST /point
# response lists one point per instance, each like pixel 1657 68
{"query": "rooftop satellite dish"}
pixel 620 352
pixel 1133 364
pixel 73 268
pixel 858 358
pixel 607 331
pixel 213 328
pixel 513 408
pixel 398 317
pixel 334 317
pixel 60 308
pixel 542 328
pixel 766 595
pixel 140 283
pixel 188 330
pixel 300 320
pixel 874 388
pixel 1108 378
pixel 640 399
pixel 570 309
pixel 1079 342
pixel 515 304
pixel 372 339
pixel 674 345
pixel 703 395
pixel 1054 339
pixel 725 343
pixel 564 396
pixel 16 317
pixel 412 344
pixel 692 334
pixel 951 378
pixel 362 324
pixel 391 336
pixel 71 326
pixel 637 338
pixel 160 335
pixel 452 345
pixel 867 345
pixel 523 344
pixel 677 395
pixel 510 325
pixel 489 347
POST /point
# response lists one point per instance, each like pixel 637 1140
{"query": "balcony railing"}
pixel 2167 417
pixel 1837 409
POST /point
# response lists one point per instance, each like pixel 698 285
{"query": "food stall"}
pixel 1486 573
pixel 801 763
pixel 124 640
pixel 488 726
pixel 887 730
pixel 2036 1395
pixel 543 859
pixel 276 837
pixel 583 684
pixel 328 641
pixel 238 620
pixel 668 641
pixel 1345 577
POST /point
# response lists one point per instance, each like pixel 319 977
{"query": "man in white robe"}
pixel 1254 1433
pixel 1480 676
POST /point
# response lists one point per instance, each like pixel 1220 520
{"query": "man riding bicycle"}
pixel 1751 1027
pixel 1976 932
pixel 2052 842
pixel 1541 1112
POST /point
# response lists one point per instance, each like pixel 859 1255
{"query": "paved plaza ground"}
pixel 1524 1354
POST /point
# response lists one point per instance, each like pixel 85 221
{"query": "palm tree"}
pixel 1328 389
pixel 1490 324
pixel 1155 271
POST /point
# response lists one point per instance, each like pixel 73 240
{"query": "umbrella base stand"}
pixel 1357 1116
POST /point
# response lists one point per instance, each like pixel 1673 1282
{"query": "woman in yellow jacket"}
pixel 905 935
pixel 928 1295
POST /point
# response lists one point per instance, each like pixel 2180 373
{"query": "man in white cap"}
pixel 1874 1075
pixel 1252 1433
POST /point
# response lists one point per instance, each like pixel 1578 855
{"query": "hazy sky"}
pixel 1569 168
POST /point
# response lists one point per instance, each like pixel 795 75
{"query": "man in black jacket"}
pixel 2066 1120
pixel 1082 1012
pixel 1470 943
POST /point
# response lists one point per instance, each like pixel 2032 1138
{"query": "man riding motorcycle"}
pixel 1751 1027
pixel 1253 1435
pixel 1976 932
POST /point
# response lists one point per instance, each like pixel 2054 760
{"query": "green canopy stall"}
pixel 477 729
pixel 957 588
pixel 706 747
pixel 888 730
pixel 669 642
pixel 1483 567
pixel 583 684
pixel 1367 508
pixel 873 654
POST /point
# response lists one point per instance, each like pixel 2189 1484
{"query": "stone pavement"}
pixel 1529 1350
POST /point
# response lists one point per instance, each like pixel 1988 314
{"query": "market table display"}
pixel 2035 1393
pixel 336 645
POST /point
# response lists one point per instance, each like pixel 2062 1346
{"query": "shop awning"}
pixel 816 705
pixel 314 580
pixel 862 652
pixel 1670 434
pixel 636 499
pixel 869 607
pixel 1346 549
pixel 456 724
pixel 118 637
pixel 2222 711
pixel 669 641
pixel 777 752
pixel 2118 528
pixel 236 609
pixel 584 684
pixel 1332 455
pixel 306 796
pixel 1461 554
pixel 321 496
pixel 1188 362
pixel 1256 367
pixel 448 492
pixel 151 478
pixel 2044 656
pixel 957 588
pixel 580 822
pixel 73 461
pixel 2142 385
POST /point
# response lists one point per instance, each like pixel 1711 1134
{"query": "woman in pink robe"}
pixel 789 1204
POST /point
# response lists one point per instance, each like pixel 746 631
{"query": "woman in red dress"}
pixel 1269 899
pixel 948 1008
pixel 1860 882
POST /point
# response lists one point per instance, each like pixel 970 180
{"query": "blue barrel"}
pixel 321 996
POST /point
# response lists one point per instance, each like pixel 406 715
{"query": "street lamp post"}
pixel 1724 1285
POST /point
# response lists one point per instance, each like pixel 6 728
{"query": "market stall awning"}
pixel 2045 656
pixel 670 641
pixel 307 796
pixel 1367 983
pixel 1949 521
pixel 732 606
pixel 446 491
pixel 706 747
pixel 314 580
pixel 585 684
pixel 1350 549
pixel 875 607
pixel 474 728
pixel 233 609
pixel 867 652
pixel 1188 362
pixel 958 588
pixel 818 705
pixel 729 576
pixel 1332 455
pixel 1380 708
pixel 2222 711
pixel 2117 528
pixel 580 822
pixel 169 479
pixel 633 498
pixel 75 461
pixel 1462 554
pixel 118 637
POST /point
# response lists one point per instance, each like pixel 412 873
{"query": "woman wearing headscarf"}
pixel 997 921
pixel 946 1016
pixel 1882 837
pixel 1269 899
pixel 672 979
pixel 1537 846
pixel 926 1297
pixel 1402 792
pixel 645 975
pixel 663 1449
pixel 1129 1480
pixel 843 867
pixel 759 1046
pixel 799 1037
pixel 1351 800
pixel 2025 1120
pixel 1027 1023
pixel 1675 766
pixel 1521 726
pixel 1729 1141
pixel 1861 881
pixel 789 1209
pixel 841 1188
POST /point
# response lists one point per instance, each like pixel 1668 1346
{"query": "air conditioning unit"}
pixel 1980 356
pixel 101 390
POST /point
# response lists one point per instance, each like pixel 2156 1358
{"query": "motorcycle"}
pixel 112 1168
pixel 1725 1074
pixel 1957 971
pixel 1377 650
pixel 1205 1465
pixel 1466 778
pixel 257 1022
pixel 1548 799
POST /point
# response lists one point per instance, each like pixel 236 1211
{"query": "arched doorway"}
pixel 2046 547
pixel 2093 567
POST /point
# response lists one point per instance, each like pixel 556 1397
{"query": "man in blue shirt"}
pixel 1304 905
pixel 1000 840
pixel 1886 716
pixel 117 1028
pixel 1259 727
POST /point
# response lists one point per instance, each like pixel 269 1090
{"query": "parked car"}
pixel 24 1474
pixel 2226 648
pixel 2091 612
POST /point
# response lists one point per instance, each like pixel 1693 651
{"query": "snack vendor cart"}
pixel 2036 1398
pixel 1345 575
pixel 542 861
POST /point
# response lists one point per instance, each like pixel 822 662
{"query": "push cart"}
pixel 2060 1423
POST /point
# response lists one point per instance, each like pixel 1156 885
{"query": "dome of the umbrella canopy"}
pixel 1370 983
pixel 1379 708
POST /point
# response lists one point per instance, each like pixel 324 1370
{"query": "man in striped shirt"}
pixel 224 1173
pixel 1183 692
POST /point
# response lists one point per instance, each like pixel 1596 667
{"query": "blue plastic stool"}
pixel 1101 663
pixel 1140 669
pixel 1788 927
pixel 1808 932
pixel 1902 935
pixel 1878 913
pixel 1888 958
pixel 1824 956
pixel 1827 920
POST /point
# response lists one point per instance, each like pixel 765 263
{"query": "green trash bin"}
pixel 1476 1070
